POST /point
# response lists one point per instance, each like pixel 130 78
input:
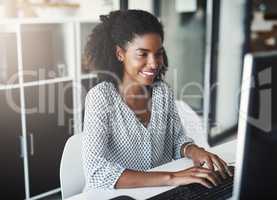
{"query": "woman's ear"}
pixel 120 53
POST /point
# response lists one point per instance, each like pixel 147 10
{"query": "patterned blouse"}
pixel 114 139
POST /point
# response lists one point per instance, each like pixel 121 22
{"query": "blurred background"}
pixel 44 80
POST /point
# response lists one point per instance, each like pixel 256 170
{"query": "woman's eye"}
pixel 142 55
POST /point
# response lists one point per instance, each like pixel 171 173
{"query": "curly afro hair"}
pixel 117 29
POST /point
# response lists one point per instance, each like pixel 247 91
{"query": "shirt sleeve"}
pixel 99 172
pixel 179 135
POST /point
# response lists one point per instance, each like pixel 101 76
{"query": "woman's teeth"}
pixel 148 73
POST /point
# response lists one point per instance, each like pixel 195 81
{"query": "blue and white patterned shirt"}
pixel 114 139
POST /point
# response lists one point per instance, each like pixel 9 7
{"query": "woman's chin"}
pixel 147 82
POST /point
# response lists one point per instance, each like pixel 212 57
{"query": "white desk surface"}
pixel 226 151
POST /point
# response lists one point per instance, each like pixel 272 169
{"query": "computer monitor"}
pixel 256 160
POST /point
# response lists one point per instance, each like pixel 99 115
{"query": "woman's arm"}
pixel 99 171
pixel 132 179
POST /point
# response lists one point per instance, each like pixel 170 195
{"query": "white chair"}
pixel 72 177
pixel 192 124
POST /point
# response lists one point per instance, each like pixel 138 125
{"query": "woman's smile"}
pixel 149 73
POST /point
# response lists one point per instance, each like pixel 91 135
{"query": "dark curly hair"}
pixel 118 28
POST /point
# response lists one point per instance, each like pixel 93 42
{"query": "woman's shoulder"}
pixel 101 91
pixel 164 87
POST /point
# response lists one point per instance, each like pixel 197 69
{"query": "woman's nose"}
pixel 153 62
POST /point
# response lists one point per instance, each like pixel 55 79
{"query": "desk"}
pixel 226 151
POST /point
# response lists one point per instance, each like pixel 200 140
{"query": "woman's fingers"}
pixel 207 177
pixel 210 176
pixel 209 163
pixel 201 181
pixel 220 166
pixel 204 176
pixel 227 169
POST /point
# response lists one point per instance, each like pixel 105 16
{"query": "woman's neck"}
pixel 133 92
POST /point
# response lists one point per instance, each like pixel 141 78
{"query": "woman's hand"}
pixel 201 175
pixel 200 157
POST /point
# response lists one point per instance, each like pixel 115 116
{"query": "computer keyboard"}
pixel 196 191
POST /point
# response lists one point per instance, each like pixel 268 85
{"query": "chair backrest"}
pixel 192 123
pixel 72 177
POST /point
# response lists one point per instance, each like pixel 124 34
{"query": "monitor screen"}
pixel 256 167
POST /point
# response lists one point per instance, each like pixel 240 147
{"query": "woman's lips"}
pixel 148 73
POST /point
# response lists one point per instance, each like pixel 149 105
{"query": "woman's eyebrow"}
pixel 142 49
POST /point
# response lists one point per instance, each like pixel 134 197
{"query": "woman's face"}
pixel 142 59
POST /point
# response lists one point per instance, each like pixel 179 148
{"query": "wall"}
pixel 185 45
pixel 92 9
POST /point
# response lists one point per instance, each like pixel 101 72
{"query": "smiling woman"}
pixel 131 122
pixel 142 59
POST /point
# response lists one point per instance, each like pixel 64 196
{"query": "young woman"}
pixel 131 123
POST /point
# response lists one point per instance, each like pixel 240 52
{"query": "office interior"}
pixel 44 78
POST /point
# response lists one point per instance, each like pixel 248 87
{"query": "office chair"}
pixel 72 177
pixel 192 123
